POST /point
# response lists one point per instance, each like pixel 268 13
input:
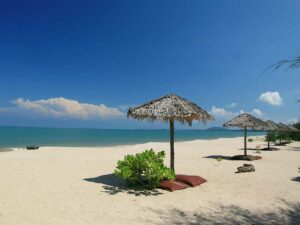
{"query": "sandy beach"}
pixel 75 186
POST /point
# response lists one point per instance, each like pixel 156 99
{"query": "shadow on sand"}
pixel 292 148
pixel 114 185
pixel 262 149
pixel 218 157
pixel 232 214
pixel 296 179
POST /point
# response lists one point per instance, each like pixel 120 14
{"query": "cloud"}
pixel 257 112
pixel 125 107
pixel 272 98
pixel 221 112
pixel 67 108
pixel 231 105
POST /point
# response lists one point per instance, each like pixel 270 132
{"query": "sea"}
pixel 20 137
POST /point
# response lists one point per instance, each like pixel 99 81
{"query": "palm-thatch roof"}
pixel 285 127
pixel 247 120
pixel 170 107
pixel 272 125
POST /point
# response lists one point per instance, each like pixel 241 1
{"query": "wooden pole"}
pixel 245 141
pixel 172 153
pixel 269 135
pixel 280 135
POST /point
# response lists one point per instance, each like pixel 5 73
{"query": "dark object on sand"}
pixel 182 182
pixel 246 157
pixel 246 168
pixel 172 185
pixel 270 149
pixel 190 180
pixel 32 147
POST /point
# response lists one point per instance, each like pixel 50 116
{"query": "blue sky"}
pixel 82 63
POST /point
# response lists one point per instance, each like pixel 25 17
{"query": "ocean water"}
pixel 20 137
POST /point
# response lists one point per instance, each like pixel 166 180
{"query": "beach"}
pixel 75 186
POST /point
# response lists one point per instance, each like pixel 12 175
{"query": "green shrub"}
pixel 282 136
pixel 295 136
pixel 250 139
pixel 271 137
pixel 297 125
pixel 146 168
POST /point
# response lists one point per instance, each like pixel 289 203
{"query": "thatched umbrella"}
pixel 245 121
pixel 273 126
pixel 170 108
pixel 285 127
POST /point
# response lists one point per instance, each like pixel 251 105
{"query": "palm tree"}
pixel 290 63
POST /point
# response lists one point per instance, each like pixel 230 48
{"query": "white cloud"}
pixel 272 98
pixel 231 105
pixel 125 107
pixel 220 112
pixel 223 113
pixel 257 112
pixel 66 108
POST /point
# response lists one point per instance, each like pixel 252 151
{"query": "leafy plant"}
pixel 271 137
pixel 284 136
pixel 295 135
pixel 146 168
pixel 250 139
pixel 297 125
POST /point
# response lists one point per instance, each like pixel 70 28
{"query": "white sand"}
pixel 48 187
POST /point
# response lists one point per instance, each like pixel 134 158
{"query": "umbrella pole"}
pixel 245 141
pixel 172 144
pixel 269 134
pixel 280 133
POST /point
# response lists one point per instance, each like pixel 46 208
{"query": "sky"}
pixel 83 63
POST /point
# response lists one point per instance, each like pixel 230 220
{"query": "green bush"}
pixel 271 137
pixel 295 136
pixel 297 125
pixel 146 168
pixel 250 139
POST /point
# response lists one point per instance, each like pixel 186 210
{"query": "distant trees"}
pixel 296 135
pixel 297 125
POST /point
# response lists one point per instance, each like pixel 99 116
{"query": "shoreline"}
pixel 134 144
pixel 22 137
